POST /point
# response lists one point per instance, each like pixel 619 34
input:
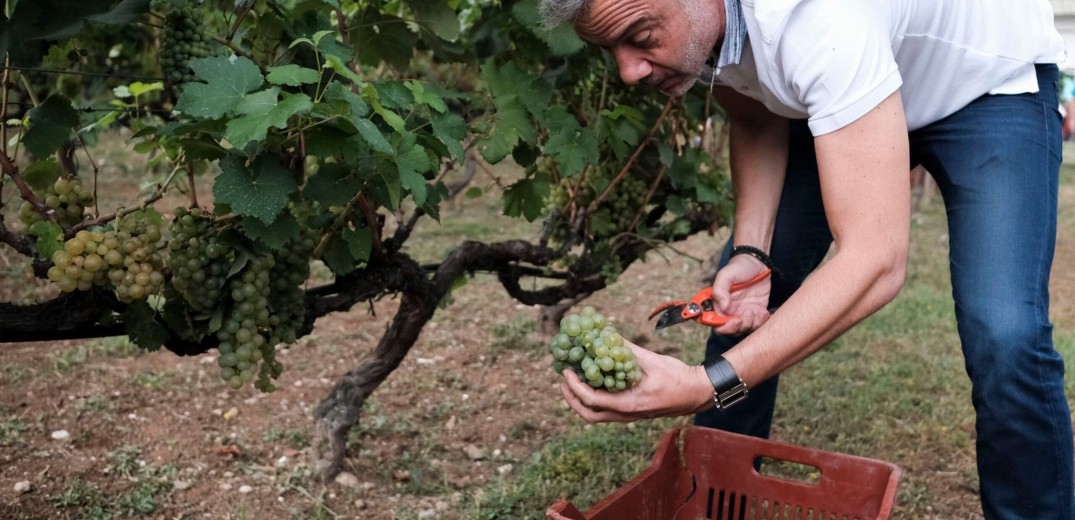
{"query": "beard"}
pixel 701 22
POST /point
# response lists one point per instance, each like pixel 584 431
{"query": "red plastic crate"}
pixel 711 475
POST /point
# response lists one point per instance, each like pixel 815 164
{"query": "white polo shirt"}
pixel 831 61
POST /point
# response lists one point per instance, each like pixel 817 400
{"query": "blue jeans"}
pixel 996 162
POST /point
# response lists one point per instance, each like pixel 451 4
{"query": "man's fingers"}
pixel 587 413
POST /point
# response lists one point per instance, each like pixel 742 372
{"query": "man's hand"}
pixel 749 305
pixel 669 388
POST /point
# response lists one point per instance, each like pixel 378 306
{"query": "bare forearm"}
pixel 841 293
pixel 758 162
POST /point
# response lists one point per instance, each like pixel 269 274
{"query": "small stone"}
pixel 281 462
pixel 346 479
pixel 451 423
pixel 367 485
pixel 60 435
pixel 473 452
pixel 426 515
pixel 230 414
pixel 23 486
pixel 360 504
pixel 425 361
pixel 505 469
pixel 244 489
pixel 402 475
pixel 441 505
pixel 225 486
pixel 180 485
pixel 228 474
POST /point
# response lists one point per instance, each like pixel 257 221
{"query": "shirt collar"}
pixel 731 50
pixel 735 32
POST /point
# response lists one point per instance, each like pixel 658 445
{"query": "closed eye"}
pixel 644 40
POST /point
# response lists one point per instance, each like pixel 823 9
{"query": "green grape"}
pixel 592 348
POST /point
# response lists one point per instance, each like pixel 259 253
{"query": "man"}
pixel 831 102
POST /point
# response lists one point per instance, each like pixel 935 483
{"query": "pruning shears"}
pixel 700 308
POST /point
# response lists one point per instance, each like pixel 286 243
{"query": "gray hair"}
pixel 555 13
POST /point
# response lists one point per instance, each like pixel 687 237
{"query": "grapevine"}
pixel 588 345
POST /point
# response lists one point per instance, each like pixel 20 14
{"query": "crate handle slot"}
pixel 792 471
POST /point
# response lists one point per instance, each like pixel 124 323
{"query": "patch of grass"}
pixel 124 460
pixel 152 381
pixel 86 498
pixel 585 465
pixel 14 373
pixel 69 359
pixel 516 334
pixel 11 427
pixel 293 438
pixel 89 501
pixel 144 497
pixel 95 403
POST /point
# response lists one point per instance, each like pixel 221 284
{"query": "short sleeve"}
pixel 835 57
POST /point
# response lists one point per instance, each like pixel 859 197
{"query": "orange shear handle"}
pixel 701 308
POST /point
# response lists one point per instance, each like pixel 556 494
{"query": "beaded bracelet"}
pixel 755 252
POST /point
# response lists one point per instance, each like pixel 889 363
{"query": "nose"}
pixel 633 67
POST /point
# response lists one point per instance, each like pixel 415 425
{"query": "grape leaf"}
pixel 438 16
pixel 573 150
pixel 273 235
pixel 562 40
pixel 373 136
pixel 411 164
pixel 386 38
pixel 227 82
pixel 262 111
pixel 202 147
pixel 42 173
pixel 292 75
pixel 140 323
pixel 392 94
pixel 426 97
pixel 260 191
pixel 526 197
pixel 332 186
pixel 359 243
pixel 50 125
pixel 511 122
pixel 337 93
pixel 337 255
pixel 49 238
pixel 386 187
pixel 450 129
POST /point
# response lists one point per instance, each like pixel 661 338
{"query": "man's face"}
pixel 662 43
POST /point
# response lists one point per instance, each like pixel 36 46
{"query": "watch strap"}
pixel 728 388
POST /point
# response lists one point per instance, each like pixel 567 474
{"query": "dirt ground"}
pixel 466 406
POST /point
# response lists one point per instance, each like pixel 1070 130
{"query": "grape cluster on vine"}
pixel 199 259
pixel 588 345
pixel 182 41
pixel 65 197
pixel 257 296
pixel 125 256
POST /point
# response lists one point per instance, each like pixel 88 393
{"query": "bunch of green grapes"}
pixel 139 273
pixel 126 256
pixel 246 337
pixel 182 41
pixel 66 197
pixel 624 202
pixel 199 259
pixel 287 299
pixel 591 347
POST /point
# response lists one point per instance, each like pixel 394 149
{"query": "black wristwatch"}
pixel 728 388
